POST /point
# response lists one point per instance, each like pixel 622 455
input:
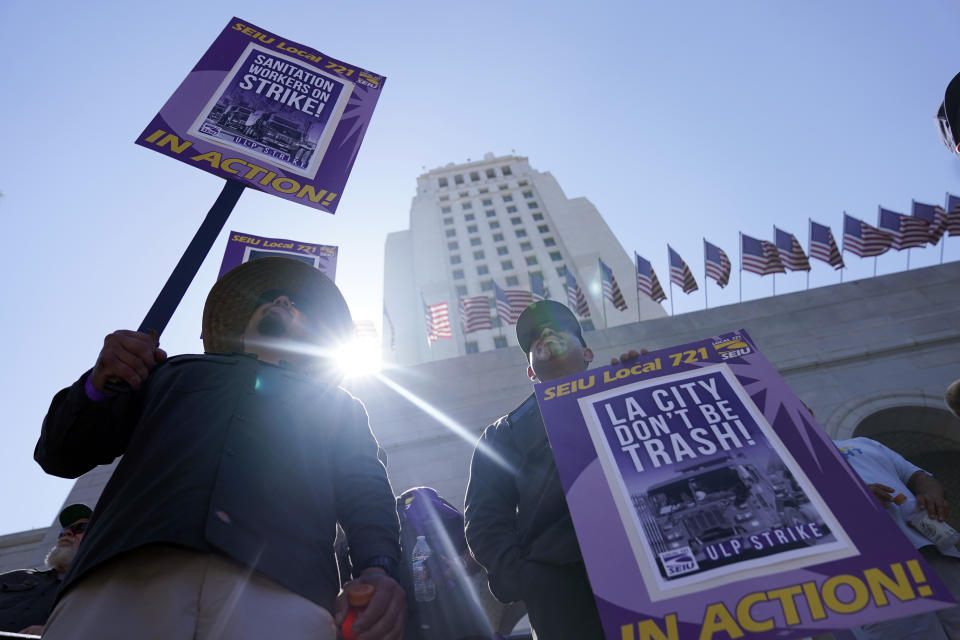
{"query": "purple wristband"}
pixel 91 391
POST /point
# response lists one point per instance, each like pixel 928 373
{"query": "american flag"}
pixel 822 245
pixel 438 321
pixel 680 273
pixel 475 313
pixel 908 232
pixel 791 253
pixel 611 290
pixel 575 297
pixel 537 287
pixel 861 239
pixel 953 215
pixel 393 332
pixel 759 256
pixel 935 216
pixel 717 264
pixel 511 303
pixel 647 281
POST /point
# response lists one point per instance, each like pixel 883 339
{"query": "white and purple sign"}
pixel 273 114
pixel 242 247
pixel 709 505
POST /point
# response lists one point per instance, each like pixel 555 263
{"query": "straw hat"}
pixel 235 296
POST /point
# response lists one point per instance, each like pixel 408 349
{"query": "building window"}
pixel 474 242
pixel 455 259
pixel 486 285
pixel 445 210
pixel 505 170
pixel 511 209
pixel 502 187
pixel 461 290
pixel 458 274
pixel 531 260
pixel 499 342
pixel 463 194
pixel 471 228
pixel 448 221
pixel 483 190
pixel 502 250
pixel 490 213
pixel 515 221
pixel 466 205
pixel 443 182
pixel 513 281
pixel 522 183
pixel 453 245
pixel 451 233
pixel 538 216
pixel 469 217
pixel 555 256
pixel 542 228
pixel 458 179
pixel 528 194
pixel 474 176
pixel 472 347
pixel 521 233
pixel 586 325
pixel 478 254
pixel 532 205
pixel 487 202
pixel 506 265
pixel 494 224
pixel 492 303
pixel 482 270
pixel 562 271
pixel 491 173
pixel 526 246
pixel 549 242
pixel 507 197
pixel 444 198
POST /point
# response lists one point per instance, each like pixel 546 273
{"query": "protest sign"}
pixel 709 505
pixel 272 114
pixel 243 247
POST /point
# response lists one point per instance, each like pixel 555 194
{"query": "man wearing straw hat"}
pixel 237 465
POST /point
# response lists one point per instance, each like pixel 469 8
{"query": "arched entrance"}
pixel 929 437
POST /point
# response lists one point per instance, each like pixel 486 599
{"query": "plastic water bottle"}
pixel 939 533
pixel 424 588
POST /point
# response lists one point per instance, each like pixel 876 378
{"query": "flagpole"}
pixel 778 250
pixel 706 303
pixel 603 298
pixel 740 277
pixel 636 285
pixel 943 238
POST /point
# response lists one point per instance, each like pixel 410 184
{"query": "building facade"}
pixel 499 221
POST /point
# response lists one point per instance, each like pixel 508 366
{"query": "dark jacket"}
pixel 26 598
pixel 515 510
pixel 227 453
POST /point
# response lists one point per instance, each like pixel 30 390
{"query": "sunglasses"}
pixel 76 528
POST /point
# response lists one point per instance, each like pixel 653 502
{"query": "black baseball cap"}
pixel 74 512
pixel 542 314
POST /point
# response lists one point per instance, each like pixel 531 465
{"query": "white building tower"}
pixel 496 221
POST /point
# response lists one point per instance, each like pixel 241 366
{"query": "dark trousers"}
pixel 560 602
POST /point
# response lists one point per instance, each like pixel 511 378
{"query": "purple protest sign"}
pixel 275 115
pixel 709 505
pixel 242 248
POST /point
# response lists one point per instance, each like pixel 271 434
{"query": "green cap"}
pixel 542 314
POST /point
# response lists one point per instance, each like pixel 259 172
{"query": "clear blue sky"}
pixel 678 120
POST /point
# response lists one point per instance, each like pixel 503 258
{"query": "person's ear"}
pixel 531 374
pixel 587 355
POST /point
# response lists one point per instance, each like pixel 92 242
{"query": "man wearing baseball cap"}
pixel 27 595
pixel 517 522
pixel 237 466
